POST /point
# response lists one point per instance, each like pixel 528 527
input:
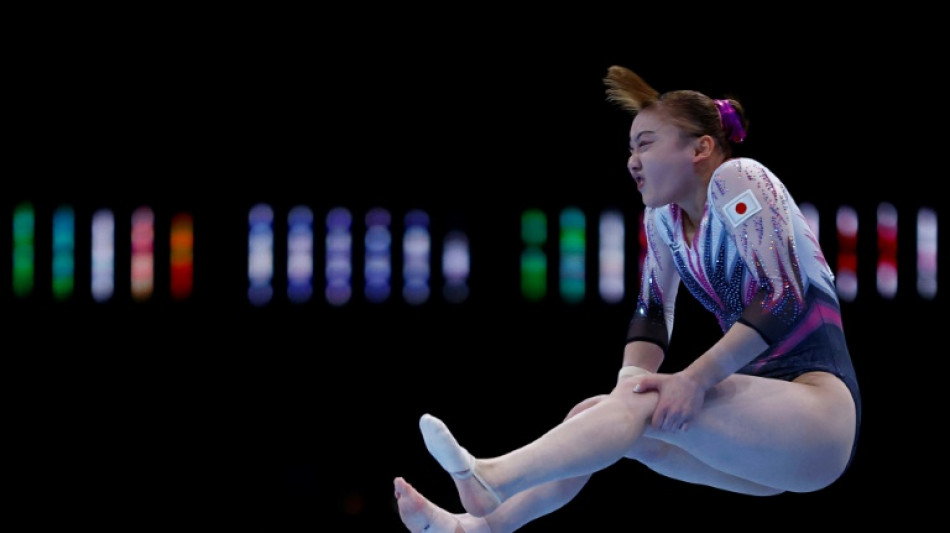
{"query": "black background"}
pixel 297 417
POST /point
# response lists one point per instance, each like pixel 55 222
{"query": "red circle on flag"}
pixel 740 207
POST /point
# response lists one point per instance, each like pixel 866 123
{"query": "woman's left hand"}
pixel 680 399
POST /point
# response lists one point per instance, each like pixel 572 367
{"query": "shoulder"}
pixel 738 175
pixel 741 169
pixel 740 188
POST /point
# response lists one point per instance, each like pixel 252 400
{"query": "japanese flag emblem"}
pixel 743 206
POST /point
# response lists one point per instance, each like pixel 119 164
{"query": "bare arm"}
pixel 737 347
pixel 682 394
pixel 646 355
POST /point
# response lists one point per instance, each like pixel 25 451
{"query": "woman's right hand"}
pixel 680 398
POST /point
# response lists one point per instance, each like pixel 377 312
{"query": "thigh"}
pixel 676 463
pixel 791 435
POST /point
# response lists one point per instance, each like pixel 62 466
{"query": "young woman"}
pixel 772 406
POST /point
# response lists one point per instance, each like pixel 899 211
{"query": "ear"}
pixel 703 148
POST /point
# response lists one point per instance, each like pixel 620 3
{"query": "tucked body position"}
pixel 772 406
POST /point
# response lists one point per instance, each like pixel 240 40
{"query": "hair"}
pixel 692 111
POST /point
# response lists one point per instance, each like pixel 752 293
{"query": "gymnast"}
pixel 772 406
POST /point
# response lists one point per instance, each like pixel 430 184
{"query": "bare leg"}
pixel 418 514
pixel 477 496
pixel 566 451
pixel 676 463
pixel 533 503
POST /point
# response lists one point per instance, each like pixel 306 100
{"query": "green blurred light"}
pixel 534 262
pixel 573 244
pixel 534 274
pixel 534 227
pixel 23 256
pixel 64 244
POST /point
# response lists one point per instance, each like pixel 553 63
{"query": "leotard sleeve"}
pixel 659 282
pixel 756 209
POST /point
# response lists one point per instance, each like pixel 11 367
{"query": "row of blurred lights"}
pixel 261 260
pixel 102 253
pixel 416 246
pixel 572 245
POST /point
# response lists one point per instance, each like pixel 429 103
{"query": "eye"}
pixel 639 145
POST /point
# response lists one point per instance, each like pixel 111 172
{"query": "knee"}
pixel 635 401
pixel 585 405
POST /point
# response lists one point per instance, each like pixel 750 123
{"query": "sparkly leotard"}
pixel 753 259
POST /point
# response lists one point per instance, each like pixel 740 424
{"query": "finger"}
pixel 673 422
pixel 644 384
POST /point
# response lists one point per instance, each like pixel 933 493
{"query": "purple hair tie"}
pixel 729 121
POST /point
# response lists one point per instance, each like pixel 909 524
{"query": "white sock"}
pixel 442 445
pixel 454 459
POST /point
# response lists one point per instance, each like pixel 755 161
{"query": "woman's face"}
pixel 661 160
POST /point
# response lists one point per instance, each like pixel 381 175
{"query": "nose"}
pixel 633 163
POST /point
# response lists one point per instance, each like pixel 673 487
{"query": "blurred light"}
pixel 611 257
pixel 886 250
pixel 354 503
pixel 300 254
pixel 417 249
pixel 927 253
pixel 64 250
pixel 846 223
pixel 377 267
pixel 573 245
pixel 456 265
pixel 534 264
pixel 339 252
pixel 103 255
pixel 24 228
pixel 182 256
pixel 260 254
pixel 143 253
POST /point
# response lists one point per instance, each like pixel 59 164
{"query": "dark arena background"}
pixel 239 265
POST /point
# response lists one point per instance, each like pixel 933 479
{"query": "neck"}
pixel 694 206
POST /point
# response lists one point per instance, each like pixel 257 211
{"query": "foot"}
pixel 477 496
pixel 419 515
